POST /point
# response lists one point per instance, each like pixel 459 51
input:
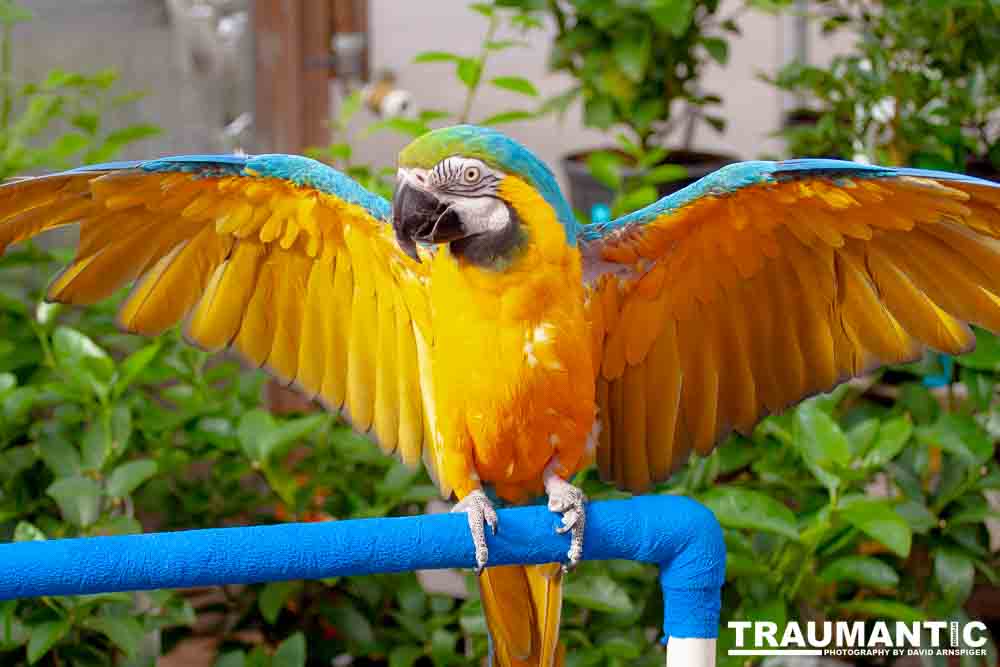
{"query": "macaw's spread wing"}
pixel 766 282
pixel 281 257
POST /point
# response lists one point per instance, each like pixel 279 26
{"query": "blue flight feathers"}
pixel 296 169
pixel 514 157
pixel 740 175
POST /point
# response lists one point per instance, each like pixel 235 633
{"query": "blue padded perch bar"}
pixel 676 533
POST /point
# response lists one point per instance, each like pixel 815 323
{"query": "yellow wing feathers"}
pixel 297 281
pixel 737 306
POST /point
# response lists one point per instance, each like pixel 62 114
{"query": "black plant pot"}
pixel 585 191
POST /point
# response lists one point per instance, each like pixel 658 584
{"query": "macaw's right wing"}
pixel 283 258
pixel 766 282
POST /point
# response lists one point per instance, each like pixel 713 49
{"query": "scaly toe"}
pixel 571 502
pixel 480 513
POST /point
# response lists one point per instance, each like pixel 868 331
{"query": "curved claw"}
pixel 480 512
pixel 571 501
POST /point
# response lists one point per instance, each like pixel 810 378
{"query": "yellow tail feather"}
pixel 522 606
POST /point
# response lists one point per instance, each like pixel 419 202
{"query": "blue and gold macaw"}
pixel 475 325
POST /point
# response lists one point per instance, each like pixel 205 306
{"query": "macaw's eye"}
pixel 471 174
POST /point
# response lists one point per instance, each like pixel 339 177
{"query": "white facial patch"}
pixel 481 214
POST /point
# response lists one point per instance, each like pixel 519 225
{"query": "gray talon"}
pixel 480 512
pixel 571 502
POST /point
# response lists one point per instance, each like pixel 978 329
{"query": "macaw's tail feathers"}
pixel 522 607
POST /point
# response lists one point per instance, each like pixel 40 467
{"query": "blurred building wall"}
pixel 135 37
pixel 401 29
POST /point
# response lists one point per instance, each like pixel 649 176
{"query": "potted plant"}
pixel 638 66
pixel 921 87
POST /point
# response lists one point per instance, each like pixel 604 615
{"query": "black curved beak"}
pixel 419 216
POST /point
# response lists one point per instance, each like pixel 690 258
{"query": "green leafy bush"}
pixel 867 503
pixel 920 87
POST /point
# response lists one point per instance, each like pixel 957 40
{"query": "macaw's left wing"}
pixel 287 260
pixel 767 282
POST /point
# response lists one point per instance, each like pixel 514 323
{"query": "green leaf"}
pixel 127 477
pixel 443 647
pixel 61 457
pixel 275 441
pixel 955 573
pixel 121 427
pixel 717 48
pixel 893 435
pixel 819 437
pixel 132 134
pixel 231 659
pixel 673 16
pixel 516 84
pixel 84 361
pixel 253 427
pixel 404 656
pixel 133 365
pixel 352 623
pixel 436 57
pixel 7 382
pixel 559 104
pixel 259 658
pixel 96 445
pixel 508 117
pixel 274 596
pixel 44 636
pixel 879 520
pixel 862 570
pixel 600 593
pixel 429 116
pixel 66 146
pixel 86 121
pixel 959 435
pixel 503 44
pixel 738 507
pixel 79 499
pixel 606 168
pixel 915 513
pixel 124 632
pixel 664 173
pixel 11 14
pixel 636 198
pixel 888 609
pixel 408 126
pixel 861 435
pixel 18 403
pixel 25 531
pixel 13 633
pixel 632 54
pixel 469 70
pixel 986 355
pixel 484 8
pixel 598 112
pixel 291 652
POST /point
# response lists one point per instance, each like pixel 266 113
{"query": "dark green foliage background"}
pixel 102 433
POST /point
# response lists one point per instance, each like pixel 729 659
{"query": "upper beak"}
pixel 417 215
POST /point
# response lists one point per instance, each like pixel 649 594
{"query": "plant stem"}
pixel 481 60
pixel 6 64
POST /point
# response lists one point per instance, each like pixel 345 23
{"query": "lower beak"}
pixel 419 216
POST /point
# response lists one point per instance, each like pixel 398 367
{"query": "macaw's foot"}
pixel 479 509
pixel 571 502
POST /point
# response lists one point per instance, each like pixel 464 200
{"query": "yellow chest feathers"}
pixel 511 352
pixel 510 317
